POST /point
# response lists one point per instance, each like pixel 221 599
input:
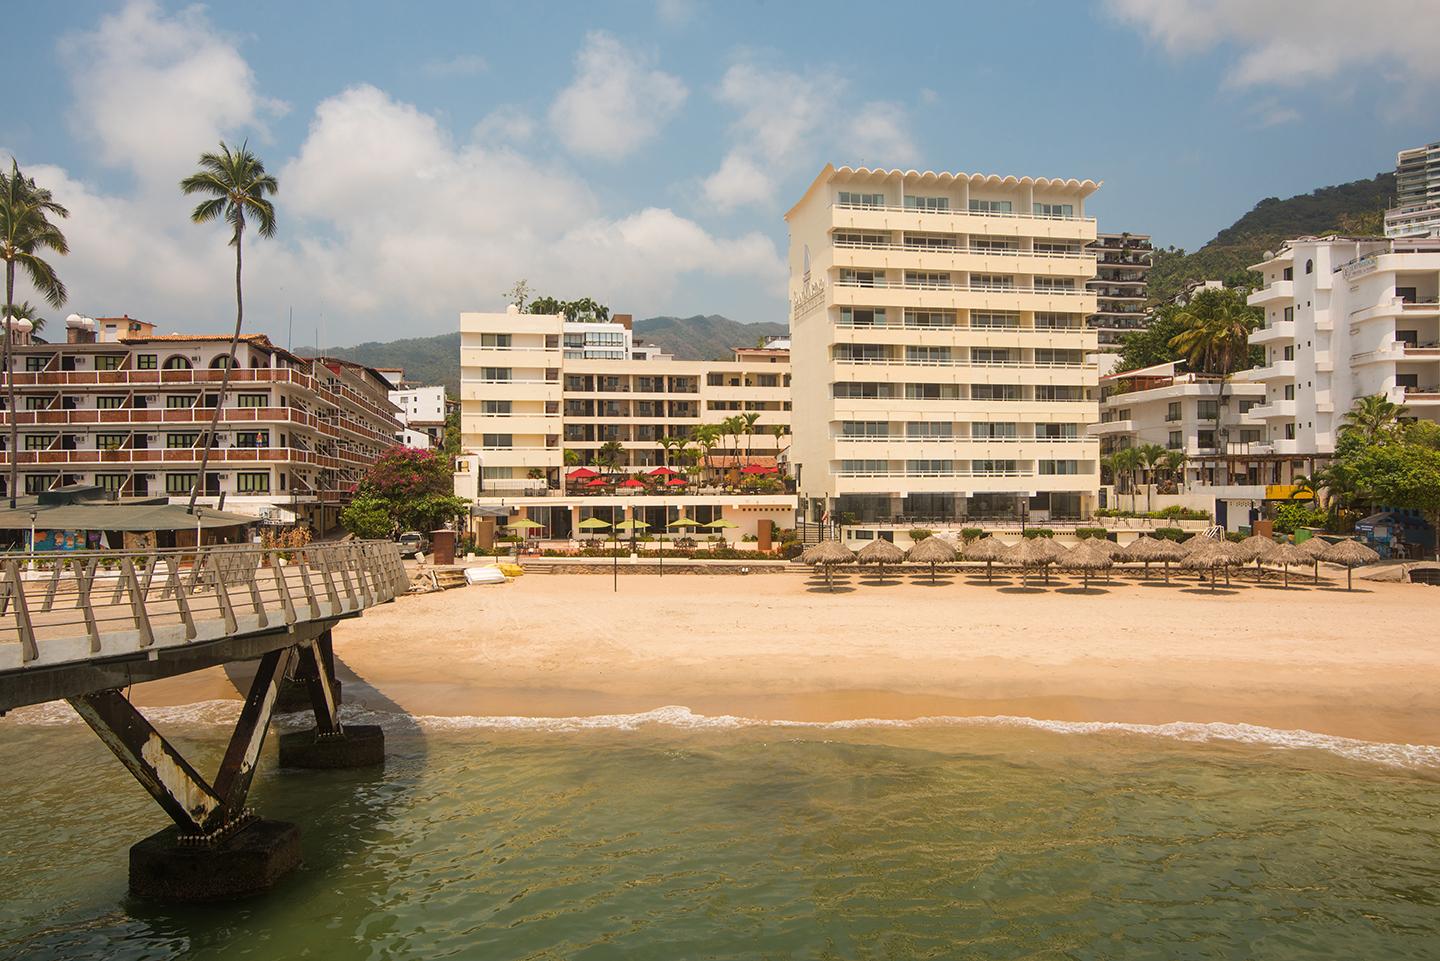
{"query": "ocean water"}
pixel 668 836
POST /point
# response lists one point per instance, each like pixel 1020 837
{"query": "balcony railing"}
pixel 961 249
pixel 962 212
pixel 950 473
pixel 970 288
pixel 957 362
pixel 958 439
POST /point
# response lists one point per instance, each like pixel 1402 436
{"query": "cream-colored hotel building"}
pixel 939 347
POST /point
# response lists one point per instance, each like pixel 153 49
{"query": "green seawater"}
pixel 653 841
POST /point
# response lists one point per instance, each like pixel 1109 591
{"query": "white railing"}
pixel 949 473
pixel 851 325
pixel 957 439
pixel 969 288
pixel 963 212
pixel 899 362
pixel 981 251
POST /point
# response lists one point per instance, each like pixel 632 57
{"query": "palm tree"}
pixel 706 437
pixel 31 313
pixel 1124 463
pixel 1173 462
pixel 609 454
pixel 238 188
pixel 1216 340
pixel 25 232
pixel 748 426
pixel 1149 457
pixel 667 444
pixel 1373 416
pixel 571 459
pixel 734 427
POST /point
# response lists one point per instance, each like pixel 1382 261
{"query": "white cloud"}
pixel 1271 113
pixel 154 91
pixel 461 65
pixel 786 120
pixel 1290 43
pixel 617 101
pixel 675 13
pixel 505 124
pixel 385 219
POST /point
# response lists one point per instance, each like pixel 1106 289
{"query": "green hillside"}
pixel 1352 208
pixel 703 337
pixel 426 360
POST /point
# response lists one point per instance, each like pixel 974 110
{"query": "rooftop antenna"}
pixel 290 336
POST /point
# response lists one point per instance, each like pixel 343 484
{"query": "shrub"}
pixel 1292 515
pixel 1171 533
pixel 1034 532
pixel 1085 533
pixel 968 534
pixel 1234 537
pixel 918 534
pixel 1177 513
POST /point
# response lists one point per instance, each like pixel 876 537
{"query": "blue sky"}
pixel 645 152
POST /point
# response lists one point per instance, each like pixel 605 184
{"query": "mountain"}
pixel 704 337
pixel 436 360
pixel 1351 208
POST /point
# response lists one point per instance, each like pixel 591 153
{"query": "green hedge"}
pixel 1039 532
pixel 918 534
pixel 1085 533
pixel 969 534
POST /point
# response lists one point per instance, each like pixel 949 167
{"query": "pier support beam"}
pixel 329 744
pixel 295 692
pixel 218 848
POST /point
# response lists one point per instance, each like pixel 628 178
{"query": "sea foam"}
pixel 223 712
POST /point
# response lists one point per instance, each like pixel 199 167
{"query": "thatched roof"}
pixel 1147 548
pixel 1054 548
pixel 1350 554
pixel 1211 553
pixel 932 550
pixel 1288 554
pixel 1257 547
pixel 1315 547
pixel 880 551
pixel 984 549
pixel 1029 552
pixel 1086 556
pixel 828 552
pixel 1111 549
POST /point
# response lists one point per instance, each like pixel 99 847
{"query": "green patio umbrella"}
pixel 720 524
pixel 593 524
pixel 596 524
pixel 681 521
pixel 632 526
pixel 522 524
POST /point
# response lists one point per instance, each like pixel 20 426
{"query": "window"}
pixel 862 317
pixel 34 365
pixel 864 428
pixel 38 441
pixel 1207 409
pixel 221 362
pixel 862 278
pixel 177 401
pixel 176 362
pixel 109 402
pixel 252 482
pixel 1289 391
pixel 177 441
pixel 937 241
pixel 1172 411
pixel 846 239
pixel 1054 283
pixel 1309 266
pixel 994 246
pixel 927 203
pixel 995 392
pixel 252 438
pixel 916 278
pixel 37 403
pixel 932 391
pixel 923 467
pixel 926 428
pixel 992 281
pixel 1050 467
pixel 177 484
pixel 503 340
pixel 109 441
pixel 991 206
pixel 252 400
pixel 863 390
pixel 495 373
pixel 1059 393
pixel 1054 210
pixel 497 440
pixel 499 408
pixel 38 483
pixel 1058 431
pixel 768 380
pixel 496 473
pixel 993 467
pixel 849 199
pixel 927 355
pixel 864 467
pixel 1056 321
pixel 1290 431
pixel 1206 439
pixel 986 356
pixel 1289 314
pixel 987 430
pixel 110 483
pixel 1245 405
pixel 1175 442
pixel 929 318
pixel 108 361
pixel 146 361
pixel 861 353
pixel 992 320
pixel 1288 274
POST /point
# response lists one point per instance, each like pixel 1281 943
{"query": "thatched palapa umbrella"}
pixel 1351 554
pixel 1028 553
pixel 1287 554
pixel 986 549
pixel 1146 548
pixel 1109 548
pixel 1211 555
pixel 1315 547
pixel 1257 548
pixel 880 552
pixel 827 554
pixel 932 550
pixel 1086 557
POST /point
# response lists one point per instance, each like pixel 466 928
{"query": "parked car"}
pixel 412 543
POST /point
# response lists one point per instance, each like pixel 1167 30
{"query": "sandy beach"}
pixel 779 647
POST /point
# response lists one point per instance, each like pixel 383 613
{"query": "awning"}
pixel 118 517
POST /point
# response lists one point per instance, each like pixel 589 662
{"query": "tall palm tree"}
pixel 667 444
pixel 1124 463
pixel 1149 458
pixel 25 233
pixel 238 189
pixel 31 313
pixel 1172 462
pixel 748 426
pixel 571 459
pixel 706 437
pixel 1216 340
pixel 1373 416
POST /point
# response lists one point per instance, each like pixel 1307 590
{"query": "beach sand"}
pixel 1360 664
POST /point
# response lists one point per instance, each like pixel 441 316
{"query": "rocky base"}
pixel 247 863
pixel 361 745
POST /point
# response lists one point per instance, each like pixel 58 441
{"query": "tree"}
pixel 1373 417
pixel 25 233
pixel 1172 462
pixel 368 517
pixel 518 293
pixel 237 188
pixel 1216 340
pixel 1124 462
pixel 31 313
pixel 1401 474
pixel 747 425
pixel 609 454
pixel 667 444
pixel 571 459
pixel 413 487
pixel 1149 458
pixel 450 445
pixel 706 437
pixel 584 310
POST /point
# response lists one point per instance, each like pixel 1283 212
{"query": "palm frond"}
pixel 43 278
pixel 208 210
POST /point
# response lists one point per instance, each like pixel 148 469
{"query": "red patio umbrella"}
pixel 676 482
pixel 632 482
pixel 757 469
pixel 597 482
pixel 580 473
pixel 662 472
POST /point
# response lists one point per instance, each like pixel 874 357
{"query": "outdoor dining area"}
pixel 666 480
pixel 1212 564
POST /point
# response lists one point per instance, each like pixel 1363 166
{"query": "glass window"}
pixel 929 318
pixel 1172 410
pixel 927 203
pixel 109 441
pixel 850 199
pixel 497 440
pixel 176 484
pixel 146 361
pixel 37 403
pixel 941 241
pixel 109 402
pixel 495 407
pixel 1054 210
pixel 497 340
pixel 38 441
pixel 108 361
pixel 926 466
pixel 862 317
pixel 992 206
pixel 987 430
pixel 495 373
pixel 176 362
pixel 1059 467
pixel 110 483
pixel 864 466
pixel 34 365
pixel 927 428
pixel 995 392
pixel 252 482
pixel 1207 409
pixel 37 483
pixel 252 400
pixel 1174 442
pixel 176 441
pixel 176 401
pixel 864 428
pixel 992 320
pixel 932 391
pixel 252 438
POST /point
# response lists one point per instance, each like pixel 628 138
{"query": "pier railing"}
pixel 68 607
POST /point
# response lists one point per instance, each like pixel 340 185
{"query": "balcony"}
pixel 1324 361
pixel 1278 370
pixel 971 259
pixel 1111 427
pixel 1385 354
pixel 963 221
pixel 1281 330
pixel 1274 410
pixel 1277 292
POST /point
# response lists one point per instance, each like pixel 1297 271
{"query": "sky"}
pixel 645 152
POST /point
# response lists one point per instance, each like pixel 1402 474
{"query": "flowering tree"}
pixel 410 488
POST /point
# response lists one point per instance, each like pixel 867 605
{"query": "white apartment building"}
pixel 1417 194
pixel 1122 268
pixel 533 386
pixel 421 411
pixel 1345 318
pixel 939 343
pixel 125 409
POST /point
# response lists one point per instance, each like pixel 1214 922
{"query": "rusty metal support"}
pixel 316 673
pixel 237 769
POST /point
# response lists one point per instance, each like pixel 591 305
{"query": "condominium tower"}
pixel 1122 267
pixel 1417 193
pixel 939 342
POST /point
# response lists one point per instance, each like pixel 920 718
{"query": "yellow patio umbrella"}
pixel 681 521
pixel 596 524
pixel 720 524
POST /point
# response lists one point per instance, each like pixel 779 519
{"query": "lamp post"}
pixel 32 540
pixel 198 510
